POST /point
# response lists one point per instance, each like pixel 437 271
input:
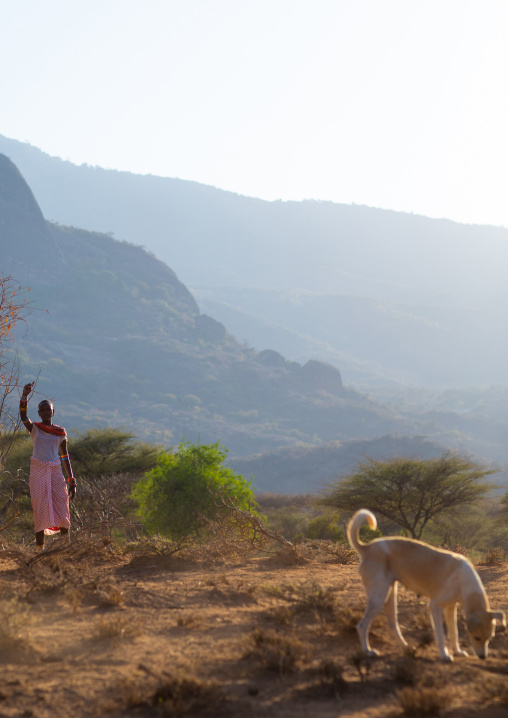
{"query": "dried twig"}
pixel 253 522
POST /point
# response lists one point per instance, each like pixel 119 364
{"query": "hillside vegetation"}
pixel 124 343
pixel 387 297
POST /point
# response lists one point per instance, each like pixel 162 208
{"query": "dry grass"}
pixel 457 548
pixel 275 652
pixel 191 620
pixel 423 701
pixel 158 545
pixel 109 594
pixel 322 550
pixel 169 695
pixel 14 620
pixel 282 615
pixel 332 552
pixel 200 630
pixel 307 596
pixel 347 618
pixel 494 556
pixel 117 627
pixel 74 597
pixel 72 571
pixel 331 682
pixel 183 695
pixel 494 690
pixel 287 556
pixel 407 669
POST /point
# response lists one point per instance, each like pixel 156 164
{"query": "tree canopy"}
pixel 410 492
pixel 105 451
pixel 174 495
pixel 95 452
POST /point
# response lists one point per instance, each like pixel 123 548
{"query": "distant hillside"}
pixel 124 344
pixel 373 341
pixel 218 238
pixel 387 297
pixel 304 469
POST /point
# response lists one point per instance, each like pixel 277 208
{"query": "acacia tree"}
pixel 97 452
pixel 411 492
pixel 110 450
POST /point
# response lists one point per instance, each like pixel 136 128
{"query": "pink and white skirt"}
pixel 49 495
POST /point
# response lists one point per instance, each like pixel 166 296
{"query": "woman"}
pixel 48 491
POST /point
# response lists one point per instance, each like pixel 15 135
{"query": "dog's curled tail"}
pixel 353 528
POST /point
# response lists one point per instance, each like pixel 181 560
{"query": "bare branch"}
pixel 249 519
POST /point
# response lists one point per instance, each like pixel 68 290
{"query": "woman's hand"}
pixel 27 389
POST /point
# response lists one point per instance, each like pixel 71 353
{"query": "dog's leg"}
pixel 450 614
pixel 376 599
pixel 437 621
pixel 391 614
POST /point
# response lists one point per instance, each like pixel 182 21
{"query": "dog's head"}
pixel 481 626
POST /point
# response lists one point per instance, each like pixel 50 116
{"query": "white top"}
pixel 45 446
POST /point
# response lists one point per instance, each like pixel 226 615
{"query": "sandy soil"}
pixel 94 632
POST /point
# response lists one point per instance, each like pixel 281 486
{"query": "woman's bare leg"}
pixel 39 540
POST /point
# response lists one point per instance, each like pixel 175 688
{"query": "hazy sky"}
pixel 401 104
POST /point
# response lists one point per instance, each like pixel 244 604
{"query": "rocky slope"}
pixel 124 343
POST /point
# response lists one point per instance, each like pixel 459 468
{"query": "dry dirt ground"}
pixel 92 632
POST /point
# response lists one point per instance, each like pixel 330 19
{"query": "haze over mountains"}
pixel 125 342
pixel 389 298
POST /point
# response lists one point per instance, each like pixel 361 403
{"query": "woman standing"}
pixel 48 490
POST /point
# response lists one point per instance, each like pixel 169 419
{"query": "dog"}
pixel 446 578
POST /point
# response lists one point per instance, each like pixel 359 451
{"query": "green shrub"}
pixel 179 491
pixel 326 526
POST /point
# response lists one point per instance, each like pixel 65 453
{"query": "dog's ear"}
pixel 499 616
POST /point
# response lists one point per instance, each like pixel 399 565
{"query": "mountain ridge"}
pixel 124 339
pixel 242 229
pixel 384 296
pixel 125 344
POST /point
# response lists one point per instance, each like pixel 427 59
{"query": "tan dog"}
pixel 446 578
